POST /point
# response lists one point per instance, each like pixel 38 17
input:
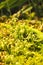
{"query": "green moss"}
pixel 20 44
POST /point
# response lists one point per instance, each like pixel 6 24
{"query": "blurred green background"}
pixel 9 7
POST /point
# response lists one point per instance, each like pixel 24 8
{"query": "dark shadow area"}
pixel 37 7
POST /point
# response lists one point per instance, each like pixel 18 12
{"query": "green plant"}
pixel 9 4
pixel 20 43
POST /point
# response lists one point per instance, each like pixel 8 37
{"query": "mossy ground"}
pixel 21 41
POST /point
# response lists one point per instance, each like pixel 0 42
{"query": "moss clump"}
pixel 20 44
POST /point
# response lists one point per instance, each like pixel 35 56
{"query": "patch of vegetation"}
pixel 20 44
pixel 21 34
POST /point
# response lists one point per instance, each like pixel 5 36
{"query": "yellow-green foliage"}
pixel 20 44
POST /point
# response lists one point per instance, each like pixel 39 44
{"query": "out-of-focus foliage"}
pixel 9 4
pixel 37 6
